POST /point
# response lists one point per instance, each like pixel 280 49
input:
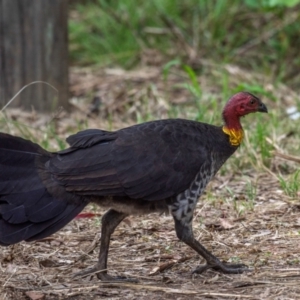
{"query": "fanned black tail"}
pixel 30 210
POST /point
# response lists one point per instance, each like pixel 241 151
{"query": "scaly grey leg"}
pixel 185 233
pixel 110 220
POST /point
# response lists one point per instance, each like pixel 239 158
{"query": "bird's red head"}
pixel 239 105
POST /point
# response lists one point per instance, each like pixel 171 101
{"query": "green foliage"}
pixel 271 3
pixel 167 67
pixel 254 34
pixel 194 86
pixel 291 186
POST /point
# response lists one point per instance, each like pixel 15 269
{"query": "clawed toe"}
pixel 103 276
pixel 87 272
pixel 223 268
pixel 108 278
pixel 201 269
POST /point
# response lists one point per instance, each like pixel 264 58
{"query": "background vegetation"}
pixel 259 35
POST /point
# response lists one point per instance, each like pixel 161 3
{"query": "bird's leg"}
pixel 110 220
pixel 185 234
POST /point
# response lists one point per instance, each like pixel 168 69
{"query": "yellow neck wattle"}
pixel 235 135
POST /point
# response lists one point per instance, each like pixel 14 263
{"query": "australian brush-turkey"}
pixel 159 166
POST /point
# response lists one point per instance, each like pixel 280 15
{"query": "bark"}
pixel 34 47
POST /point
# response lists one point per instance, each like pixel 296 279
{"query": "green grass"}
pixel 46 137
pixel 291 184
pixel 252 35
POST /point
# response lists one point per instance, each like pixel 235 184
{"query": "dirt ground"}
pixel 259 228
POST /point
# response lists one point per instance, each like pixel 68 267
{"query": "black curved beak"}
pixel 262 108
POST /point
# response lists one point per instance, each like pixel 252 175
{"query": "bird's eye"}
pixel 252 101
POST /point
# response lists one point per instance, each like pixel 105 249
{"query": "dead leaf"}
pixel 35 295
pixel 162 267
pixel 214 279
pixel 226 224
pixel 48 263
pixel 87 215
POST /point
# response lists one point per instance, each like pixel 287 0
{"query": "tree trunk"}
pixel 34 47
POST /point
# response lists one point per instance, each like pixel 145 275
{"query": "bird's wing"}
pixel 151 161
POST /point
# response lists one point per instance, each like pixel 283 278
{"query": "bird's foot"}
pixel 223 268
pixel 103 276
pixel 107 278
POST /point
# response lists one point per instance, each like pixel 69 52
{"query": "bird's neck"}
pixel 233 129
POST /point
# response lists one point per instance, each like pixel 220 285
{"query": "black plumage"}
pixel 156 166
